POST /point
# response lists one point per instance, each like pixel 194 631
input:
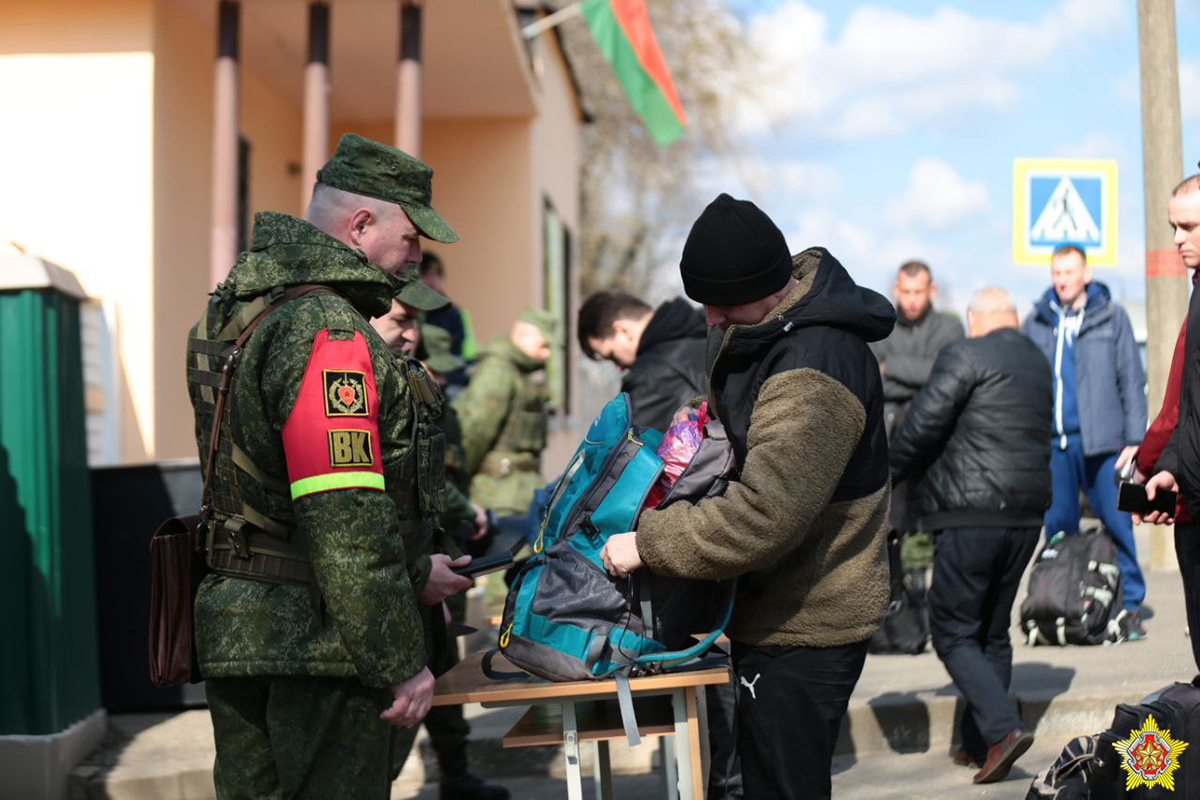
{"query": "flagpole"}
pixel 552 20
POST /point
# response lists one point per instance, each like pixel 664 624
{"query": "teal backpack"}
pixel 566 618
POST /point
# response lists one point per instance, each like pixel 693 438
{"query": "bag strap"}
pixel 231 362
pixel 497 675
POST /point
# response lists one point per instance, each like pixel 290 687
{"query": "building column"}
pixel 316 97
pixel 226 101
pixel 408 98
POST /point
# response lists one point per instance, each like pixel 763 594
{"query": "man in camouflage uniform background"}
pixel 448 729
pixel 504 416
pixel 317 627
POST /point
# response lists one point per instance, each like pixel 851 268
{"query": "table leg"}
pixel 603 770
pixel 666 748
pixel 687 744
pixel 705 749
pixel 571 753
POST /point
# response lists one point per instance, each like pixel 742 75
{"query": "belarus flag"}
pixel 622 30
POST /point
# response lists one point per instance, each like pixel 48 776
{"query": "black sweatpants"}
pixel 1187 548
pixel 790 707
pixel 976 572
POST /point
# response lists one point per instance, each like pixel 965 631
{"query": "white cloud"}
pixel 1189 85
pixel 870 254
pixel 888 71
pixel 761 178
pixel 936 197
pixel 1095 144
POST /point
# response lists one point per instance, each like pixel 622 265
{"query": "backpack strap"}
pixel 625 702
pixel 492 673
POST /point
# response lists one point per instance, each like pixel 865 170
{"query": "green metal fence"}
pixel 49 675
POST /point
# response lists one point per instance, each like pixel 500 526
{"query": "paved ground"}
pixel 894 742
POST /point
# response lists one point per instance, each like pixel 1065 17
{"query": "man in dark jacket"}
pixel 803 527
pixel 979 432
pixel 661 350
pixel 1099 409
pixel 1179 466
pixel 906 357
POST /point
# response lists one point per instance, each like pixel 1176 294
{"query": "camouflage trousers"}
pixel 303 737
pixel 447 728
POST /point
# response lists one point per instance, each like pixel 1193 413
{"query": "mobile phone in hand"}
pixel 1131 498
pixel 484 565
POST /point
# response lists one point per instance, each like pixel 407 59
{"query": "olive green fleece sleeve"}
pixel 803 431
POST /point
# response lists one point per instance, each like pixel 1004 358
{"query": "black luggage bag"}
pixel 1150 750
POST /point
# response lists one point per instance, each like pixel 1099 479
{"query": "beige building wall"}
pixel 183 193
pixel 184 48
pixel 76 153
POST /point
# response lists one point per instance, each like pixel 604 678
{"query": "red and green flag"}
pixel 622 30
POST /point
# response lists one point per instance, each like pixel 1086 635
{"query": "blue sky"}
pixel 887 130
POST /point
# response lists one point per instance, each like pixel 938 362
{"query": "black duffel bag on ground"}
pixel 905 628
pixel 1151 749
pixel 1074 592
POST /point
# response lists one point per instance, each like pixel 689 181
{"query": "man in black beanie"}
pixel 804 526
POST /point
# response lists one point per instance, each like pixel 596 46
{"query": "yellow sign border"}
pixel 1104 168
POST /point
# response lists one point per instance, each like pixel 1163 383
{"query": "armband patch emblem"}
pixel 350 448
pixel 345 393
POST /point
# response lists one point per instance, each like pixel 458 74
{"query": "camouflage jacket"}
pixel 458 483
pixel 503 408
pixel 314 371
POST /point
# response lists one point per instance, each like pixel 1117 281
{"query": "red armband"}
pixel 331 438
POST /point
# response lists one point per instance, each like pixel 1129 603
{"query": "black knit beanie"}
pixel 734 254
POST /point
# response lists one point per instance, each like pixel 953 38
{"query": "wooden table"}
pixel 585 709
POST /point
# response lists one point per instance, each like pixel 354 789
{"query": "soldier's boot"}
pixel 458 783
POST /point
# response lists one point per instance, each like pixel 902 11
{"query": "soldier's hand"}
pixel 481 523
pixel 443 581
pixel 410 700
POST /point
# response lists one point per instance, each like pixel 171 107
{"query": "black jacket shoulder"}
pixel 670 366
pixel 976 440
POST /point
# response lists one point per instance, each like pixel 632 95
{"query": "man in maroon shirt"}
pixel 1170 451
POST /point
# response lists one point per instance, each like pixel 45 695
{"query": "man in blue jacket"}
pixel 1099 409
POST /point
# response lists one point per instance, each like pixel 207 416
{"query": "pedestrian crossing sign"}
pixel 1064 201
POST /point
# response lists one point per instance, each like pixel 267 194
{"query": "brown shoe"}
pixel 1002 755
pixel 961 759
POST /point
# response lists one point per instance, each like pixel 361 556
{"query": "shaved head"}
pixel 378 228
pixel 330 207
pixel 1188 185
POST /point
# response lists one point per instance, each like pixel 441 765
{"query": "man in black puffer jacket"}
pixel 661 350
pixel 979 433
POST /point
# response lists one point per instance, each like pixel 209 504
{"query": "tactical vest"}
pixel 525 428
pixel 245 542
pixel 456 455
pixel 429 441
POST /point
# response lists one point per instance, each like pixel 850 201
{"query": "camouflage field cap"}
pixel 438 345
pixel 544 321
pixel 363 166
pixel 408 288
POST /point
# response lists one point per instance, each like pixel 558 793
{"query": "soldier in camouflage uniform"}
pixel 504 416
pixel 316 630
pixel 448 729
